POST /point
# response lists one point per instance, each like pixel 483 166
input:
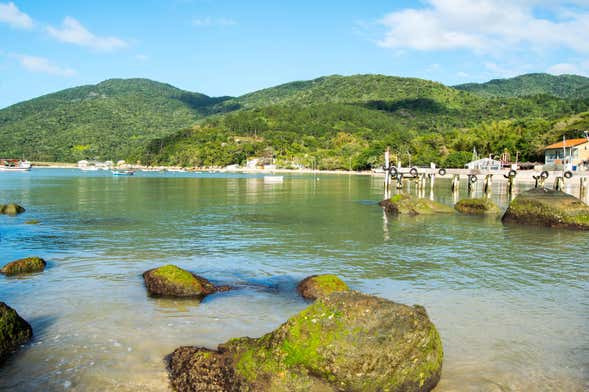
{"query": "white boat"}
pixel 15 165
pixel 273 179
pixel 88 168
pixel 177 170
pixel 123 172
pixel 152 169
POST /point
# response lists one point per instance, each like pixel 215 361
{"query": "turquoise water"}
pixel 511 303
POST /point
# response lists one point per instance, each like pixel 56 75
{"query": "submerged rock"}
pixel 403 203
pixel 346 341
pixel 11 209
pixel 172 281
pixel 24 266
pixel 317 286
pixel 476 207
pixel 550 208
pixel 14 331
pixel 32 222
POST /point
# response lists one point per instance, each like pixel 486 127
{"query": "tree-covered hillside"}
pixel 336 122
pixel 341 122
pixel 563 86
pixel 110 120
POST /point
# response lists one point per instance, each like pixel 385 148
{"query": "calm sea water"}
pixel 511 303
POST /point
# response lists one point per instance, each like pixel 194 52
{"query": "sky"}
pixel 231 47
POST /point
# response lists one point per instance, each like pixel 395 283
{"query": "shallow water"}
pixel 510 302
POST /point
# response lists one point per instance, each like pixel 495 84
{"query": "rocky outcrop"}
pixel 411 205
pixel 550 208
pixel 24 266
pixel 14 331
pixel 346 341
pixel 172 281
pixel 11 209
pixel 476 207
pixel 317 286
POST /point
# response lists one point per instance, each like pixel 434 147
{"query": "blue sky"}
pixel 231 47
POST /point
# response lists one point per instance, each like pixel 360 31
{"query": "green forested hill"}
pixel 334 121
pixel 563 86
pixel 110 120
pixel 340 122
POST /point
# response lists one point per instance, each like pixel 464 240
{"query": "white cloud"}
pixel 9 13
pixel 484 26
pixel 564 68
pixel 73 32
pixel 209 22
pixel 43 65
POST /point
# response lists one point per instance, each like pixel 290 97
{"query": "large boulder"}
pixel 476 207
pixel 11 209
pixel 316 286
pixel 403 203
pixel 24 266
pixel 173 281
pixel 346 341
pixel 14 331
pixel 550 208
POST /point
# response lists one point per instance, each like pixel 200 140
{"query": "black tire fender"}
pixel 544 174
pixel 413 172
pixel 442 172
pixel 568 174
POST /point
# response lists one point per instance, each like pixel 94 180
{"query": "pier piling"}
pixel 487 185
pixel 559 183
pixel 582 187
pixel 456 183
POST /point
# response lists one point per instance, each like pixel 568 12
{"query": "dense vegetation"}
pixel 110 120
pixel 563 86
pixel 347 122
pixel 333 122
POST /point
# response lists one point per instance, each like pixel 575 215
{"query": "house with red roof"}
pixel 574 152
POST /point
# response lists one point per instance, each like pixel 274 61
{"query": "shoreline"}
pixel 523 176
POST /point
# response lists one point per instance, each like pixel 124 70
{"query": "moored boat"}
pixel 123 172
pixel 15 165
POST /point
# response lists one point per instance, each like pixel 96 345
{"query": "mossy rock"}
pixel 317 286
pixel 14 331
pixel 406 204
pixel 346 341
pixel 172 281
pixel 549 208
pixel 11 209
pixel 24 266
pixel 476 207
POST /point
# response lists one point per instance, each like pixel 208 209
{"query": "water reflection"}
pixel 510 301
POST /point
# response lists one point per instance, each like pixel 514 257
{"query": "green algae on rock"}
pixel 549 208
pixel 316 286
pixel 11 209
pixel 403 203
pixel 14 331
pixel 172 281
pixel 479 206
pixel 24 266
pixel 346 341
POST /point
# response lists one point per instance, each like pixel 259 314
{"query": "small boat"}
pixel 123 172
pixel 177 170
pixel 14 165
pixel 151 169
pixel 273 179
pixel 88 168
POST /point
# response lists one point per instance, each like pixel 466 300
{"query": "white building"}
pixel 484 164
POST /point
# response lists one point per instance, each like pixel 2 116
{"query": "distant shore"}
pixel 523 176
